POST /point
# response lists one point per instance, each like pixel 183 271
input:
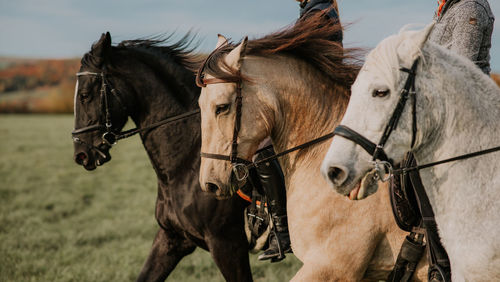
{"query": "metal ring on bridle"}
pixel 240 171
pixel 384 170
pixel 109 138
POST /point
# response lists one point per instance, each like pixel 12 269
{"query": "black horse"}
pixel 152 83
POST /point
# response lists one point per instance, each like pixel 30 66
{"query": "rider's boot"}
pixel 273 183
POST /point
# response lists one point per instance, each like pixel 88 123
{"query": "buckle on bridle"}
pixel 109 138
pixel 240 171
pixel 383 170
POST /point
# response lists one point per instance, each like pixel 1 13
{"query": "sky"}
pixel 67 28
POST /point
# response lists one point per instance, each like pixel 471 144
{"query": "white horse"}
pixel 458 112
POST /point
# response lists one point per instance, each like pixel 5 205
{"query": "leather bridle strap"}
pixel 88 129
pixel 224 158
pixel 233 156
pixel 359 139
pixel 398 111
pixel 237 123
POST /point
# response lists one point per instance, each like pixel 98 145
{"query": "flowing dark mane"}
pixel 306 40
pixel 180 52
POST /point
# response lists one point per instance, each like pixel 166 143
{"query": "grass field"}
pixel 59 222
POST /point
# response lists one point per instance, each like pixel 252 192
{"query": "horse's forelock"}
pixel 215 65
pixel 384 58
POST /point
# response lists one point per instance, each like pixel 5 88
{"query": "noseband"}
pixel 110 137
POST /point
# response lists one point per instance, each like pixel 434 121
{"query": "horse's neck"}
pixel 171 147
pixel 462 117
pixel 462 112
pixel 156 92
pixel 310 106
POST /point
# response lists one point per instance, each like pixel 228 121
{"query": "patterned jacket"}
pixel 466 26
pixel 309 7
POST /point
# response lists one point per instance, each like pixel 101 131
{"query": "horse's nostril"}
pixel 211 187
pixel 80 158
pixel 337 175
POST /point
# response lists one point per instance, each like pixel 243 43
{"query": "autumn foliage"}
pixel 37 86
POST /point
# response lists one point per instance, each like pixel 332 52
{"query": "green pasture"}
pixel 59 222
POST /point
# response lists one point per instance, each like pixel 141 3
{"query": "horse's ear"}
pixel 412 45
pixel 221 40
pixel 102 47
pixel 234 57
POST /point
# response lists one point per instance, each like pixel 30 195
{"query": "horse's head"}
pixel 99 113
pixel 219 109
pixel 375 94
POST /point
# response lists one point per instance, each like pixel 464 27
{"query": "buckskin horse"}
pixel 414 95
pixel 154 86
pixel 294 86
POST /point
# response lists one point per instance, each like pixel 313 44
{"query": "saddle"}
pixel 413 213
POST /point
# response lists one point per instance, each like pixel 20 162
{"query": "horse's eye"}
pixel 84 95
pixel 381 93
pixel 219 109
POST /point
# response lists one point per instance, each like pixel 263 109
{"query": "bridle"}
pixel 379 157
pixel 240 167
pixel 383 164
pixel 110 137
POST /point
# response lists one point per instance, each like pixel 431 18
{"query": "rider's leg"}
pixel 273 184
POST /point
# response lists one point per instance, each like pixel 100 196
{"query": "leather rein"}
pixel 241 166
pixel 383 164
pixel 111 137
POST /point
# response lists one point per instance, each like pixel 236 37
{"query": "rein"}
pixel 458 158
pixel 382 163
pixel 110 137
pixel 241 166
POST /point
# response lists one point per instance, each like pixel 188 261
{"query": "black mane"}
pixel 179 52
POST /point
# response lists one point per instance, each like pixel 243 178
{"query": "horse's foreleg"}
pixel 231 256
pixel 168 249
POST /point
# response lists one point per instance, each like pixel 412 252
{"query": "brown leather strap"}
pixel 207 81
